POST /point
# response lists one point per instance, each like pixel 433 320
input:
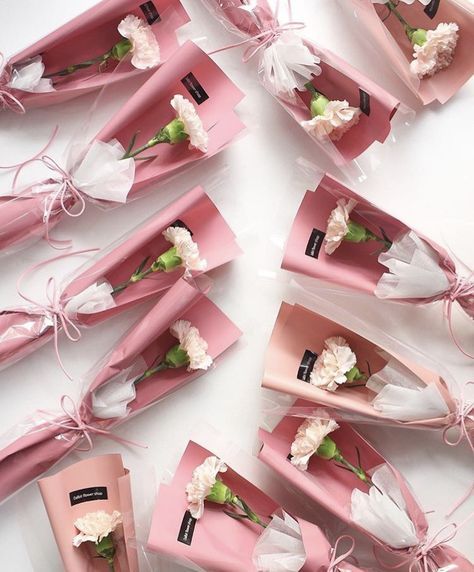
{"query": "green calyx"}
pixel 174 131
pixel 318 105
pixel 358 233
pixel 106 549
pixel 354 374
pixel 121 49
pixel 167 261
pixel 328 449
pixel 176 357
pixel 417 36
pixel 220 494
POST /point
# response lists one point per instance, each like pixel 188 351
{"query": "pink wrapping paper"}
pixel 297 330
pixel 43 442
pixel 352 265
pixel 338 80
pixel 149 109
pixel 389 38
pixel 330 486
pixel 218 543
pixel 91 34
pixel 66 499
pixel 23 330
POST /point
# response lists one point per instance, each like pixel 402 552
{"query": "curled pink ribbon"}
pixel 335 559
pixel 54 309
pixel 463 415
pixel 420 558
pixel 66 190
pixel 7 99
pixel 75 422
pixel 461 288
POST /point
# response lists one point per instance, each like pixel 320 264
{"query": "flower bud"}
pixel 354 374
pixel 318 105
pixel 176 357
pixel 168 261
pixel 220 493
pixel 121 49
pixel 357 232
pixel 328 449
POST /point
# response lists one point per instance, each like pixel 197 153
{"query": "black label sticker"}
pixel 195 88
pixel 432 8
pixel 364 101
pixel 187 529
pixel 87 495
pixel 150 12
pixel 314 243
pixel 306 365
pixel 181 224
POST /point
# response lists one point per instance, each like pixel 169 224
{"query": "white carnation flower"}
pixel 145 49
pixel 203 479
pixel 332 364
pixel 94 526
pixel 437 52
pixel 337 224
pixel 186 248
pixel 191 342
pixel 308 439
pixel 337 119
pixel 186 112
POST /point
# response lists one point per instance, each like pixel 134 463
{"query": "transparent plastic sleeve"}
pixel 43 74
pixel 339 237
pixel 343 111
pixel 370 495
pixel 177 341
pixel 218 543
pixel 109 283
pixel 429 77
pixel 151 138
pixel 373 385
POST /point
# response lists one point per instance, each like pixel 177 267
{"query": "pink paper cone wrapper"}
pixel 23 330
pixel 42 443
pixel 96 484
pixel 190 73
pixel 298 337
pixel 338 80
pixel 216 542
pixel 352 265
pixel 327 484
pixel 390 40
pixel 94 33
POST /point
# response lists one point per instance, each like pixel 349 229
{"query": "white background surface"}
pixel 425 179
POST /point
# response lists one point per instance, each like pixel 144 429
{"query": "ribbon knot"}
pixel 7 99
pixel 55 309
pixel 422 555
pixel 75 422
pixel 335 559
pixel 464 414
pixel 267 37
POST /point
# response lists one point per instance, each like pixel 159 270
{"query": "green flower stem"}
pixel 415 35
pixel 172 133
pixel 354 374
pixel 329 451
pixel 162 366
pixel 106 549
pixel 358 471
pixel 111 565
pixel 160 137
pixel 239 503
pixel 118 52
pixel 166 262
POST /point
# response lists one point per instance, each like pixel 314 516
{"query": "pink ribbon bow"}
pixel 74 422
pixel 463 415
pixel 54 309
pixel 7 99
pixel 335 559
pixel 66 189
